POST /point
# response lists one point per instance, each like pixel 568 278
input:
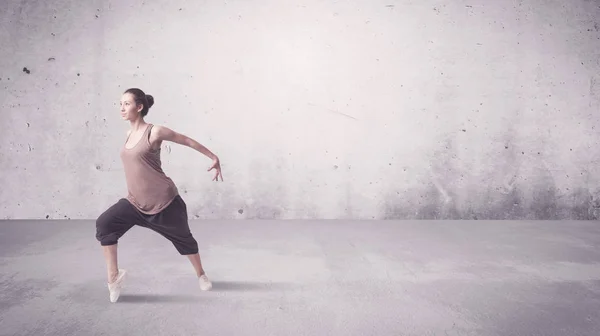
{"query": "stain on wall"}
pixel 351 110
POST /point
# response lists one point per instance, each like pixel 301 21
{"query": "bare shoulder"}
pixel 158 128
pixel 162 132
pixel 159 133
pixel 156 133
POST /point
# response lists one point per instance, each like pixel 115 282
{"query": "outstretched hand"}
pixel 216 165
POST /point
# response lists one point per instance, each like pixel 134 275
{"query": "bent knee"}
pixel 103 221
pixel 111 215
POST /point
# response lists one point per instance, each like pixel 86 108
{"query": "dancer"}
pixel 153 200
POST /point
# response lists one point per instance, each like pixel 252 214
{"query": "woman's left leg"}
pixel 197 263
pixel 172 223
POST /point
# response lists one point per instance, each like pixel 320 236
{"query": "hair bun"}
pixel 150 100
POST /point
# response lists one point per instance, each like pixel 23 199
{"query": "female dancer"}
pixel 153 200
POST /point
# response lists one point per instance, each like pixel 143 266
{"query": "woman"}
pixel 153 200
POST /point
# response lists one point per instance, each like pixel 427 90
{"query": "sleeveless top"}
pixel 148 188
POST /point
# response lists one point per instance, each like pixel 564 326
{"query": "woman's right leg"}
pixel 110 226
pixel 112 267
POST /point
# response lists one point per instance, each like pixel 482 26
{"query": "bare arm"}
pixel 164 133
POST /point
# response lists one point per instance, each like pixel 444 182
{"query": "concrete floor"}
pixel 308 278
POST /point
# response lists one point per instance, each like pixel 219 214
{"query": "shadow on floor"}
pixel 157 298
pixel 218 286
pixel 244 286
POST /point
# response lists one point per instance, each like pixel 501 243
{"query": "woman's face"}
pixel 129 110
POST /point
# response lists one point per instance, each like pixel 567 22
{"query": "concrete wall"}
pixel 318 109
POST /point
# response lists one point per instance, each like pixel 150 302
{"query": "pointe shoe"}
pixel 205 284
pixel 114 288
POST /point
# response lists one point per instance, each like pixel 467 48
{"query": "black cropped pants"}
pixel 171 223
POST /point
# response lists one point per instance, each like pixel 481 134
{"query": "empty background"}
pixel 359 109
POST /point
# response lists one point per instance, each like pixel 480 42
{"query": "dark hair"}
pixel 141 98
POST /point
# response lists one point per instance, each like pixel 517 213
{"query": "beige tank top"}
pixel 148 188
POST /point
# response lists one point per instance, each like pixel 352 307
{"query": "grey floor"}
pixel 308 278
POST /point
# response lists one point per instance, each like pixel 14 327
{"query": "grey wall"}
pixel 318 109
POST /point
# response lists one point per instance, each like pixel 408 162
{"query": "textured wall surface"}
pixel 317 109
